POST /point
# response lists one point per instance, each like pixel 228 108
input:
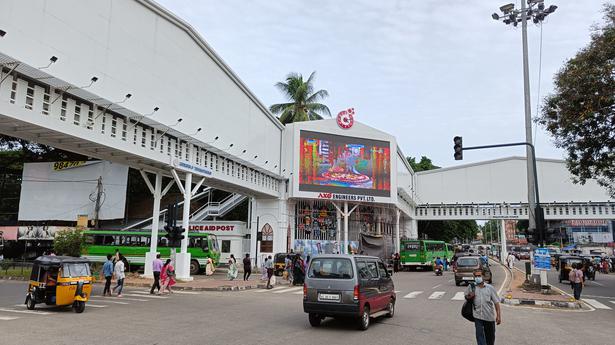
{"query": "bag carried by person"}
pixel 285 275
pixel 468 308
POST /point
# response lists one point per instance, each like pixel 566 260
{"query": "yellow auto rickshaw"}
pixel 60 281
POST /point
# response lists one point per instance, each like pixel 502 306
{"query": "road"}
pixel 428 312
pixel 599 293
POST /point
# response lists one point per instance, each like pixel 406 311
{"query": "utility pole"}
pixel 98 205
pixel 537 13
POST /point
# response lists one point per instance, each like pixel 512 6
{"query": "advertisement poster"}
pixel 339 164
pixel 313 247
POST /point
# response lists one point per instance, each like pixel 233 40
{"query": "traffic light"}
pixel 458 148
pixel 179 233
pixel 170 233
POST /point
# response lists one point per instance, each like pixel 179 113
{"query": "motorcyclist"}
pixel 439 263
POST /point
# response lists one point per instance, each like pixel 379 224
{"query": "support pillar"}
pixel 414 229
pixel 503 252
pixel 397 244
pixel 346 227
pixel 253 230
pixel 182 259
pixel 338 215
pixel 151 255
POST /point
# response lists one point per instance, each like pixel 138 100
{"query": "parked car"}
pixel 465 267
pixel 355 286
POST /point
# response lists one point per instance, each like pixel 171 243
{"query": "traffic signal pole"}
pixel 182 259
pixel 153 248
pixel 538 211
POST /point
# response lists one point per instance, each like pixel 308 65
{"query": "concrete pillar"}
pixel 338 234
pixel 397 244
pixel 504 252
pixel 414 229
pixel 182 259
pixel 149 256
pixel 346 227
pixel 253 229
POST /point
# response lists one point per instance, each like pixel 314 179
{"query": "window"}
pixel 331 268
pixel 14 90
pixel 267 239
pixel 77 114
pixel 76 270
pixel 412 246
pixel 30 96
pixel 367 269
pixel 467 262
pixel 226 246
pixel 63 109
pixel 382 270
pixel 46 102
pixel 113 127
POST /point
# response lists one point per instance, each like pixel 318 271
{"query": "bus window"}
pixel 205 244
pixel 412 246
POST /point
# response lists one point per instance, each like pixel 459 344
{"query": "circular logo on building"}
pixel 345 118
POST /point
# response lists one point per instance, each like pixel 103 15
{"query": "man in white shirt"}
pixel 118 271
pixel 510 259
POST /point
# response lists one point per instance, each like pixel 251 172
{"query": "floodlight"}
pixel 551 9
pixel 507 8
pixel 2 33
pixel 495 16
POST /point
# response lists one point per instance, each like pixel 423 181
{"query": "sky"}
pixel 424 71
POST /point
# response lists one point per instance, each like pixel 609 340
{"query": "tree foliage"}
pixel 448 230
pixel 580 114
pixel 68 242
pixel 424 164
pixel 303 102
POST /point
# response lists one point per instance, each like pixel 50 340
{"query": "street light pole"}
pixel 536 11
pixel 528 121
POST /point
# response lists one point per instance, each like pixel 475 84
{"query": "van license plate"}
pixel 328 297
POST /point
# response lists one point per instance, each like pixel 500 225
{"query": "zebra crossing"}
pixel 129 297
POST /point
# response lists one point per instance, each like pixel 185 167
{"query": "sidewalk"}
pixel 519 295
pixel 201 282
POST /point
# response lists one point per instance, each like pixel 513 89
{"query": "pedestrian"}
pixel 446 263
pixel 576 281
pixel 247 267
pixel 307 264
pixel 209 267
pixel 288 267
pixel 298 270
pixel 167 276
pixel 232 268
pixel 269 270
pixel 118 271
pixel 156 268
pixel 396 262
pixel 108 274
pixel 485 300
pixel 264 269
pixel 510 260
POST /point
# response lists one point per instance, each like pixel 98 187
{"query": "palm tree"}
pixel 303 101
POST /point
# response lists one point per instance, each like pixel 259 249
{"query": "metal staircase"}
pixel 217 208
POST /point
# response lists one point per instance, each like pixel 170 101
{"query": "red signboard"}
pixel 586 222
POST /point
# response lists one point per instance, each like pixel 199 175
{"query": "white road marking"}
pixel 147 296
pixel 397 291
pixel 436 286
pixel 289 290
pixel 25 311
pixel 114 302
pixel 413 294
pixel 298 293
pixel 95 305
pixel 182 292
pixel 596 304
pixel 459 296
pixel 593 282
pixel 612 302
pixel 8 318
pixel 123 298
pixel 274 289
pixel 437 295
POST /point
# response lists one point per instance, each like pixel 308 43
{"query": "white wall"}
pixel 503 180
pixel 44 195
pixel 136 47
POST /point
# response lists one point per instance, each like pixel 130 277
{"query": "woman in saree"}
pixel 167 276
pixel 232 268
pixel 209 267
pixel 298 270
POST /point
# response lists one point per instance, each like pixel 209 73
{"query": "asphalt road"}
pixel 430 314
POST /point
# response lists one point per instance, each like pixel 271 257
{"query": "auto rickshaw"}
pixel 565 265
pixel 60 281
pixel 590 267
pixel 279 264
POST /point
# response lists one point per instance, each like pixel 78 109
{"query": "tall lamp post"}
pixel 536 11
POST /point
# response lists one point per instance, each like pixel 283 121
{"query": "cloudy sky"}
pixel 424 71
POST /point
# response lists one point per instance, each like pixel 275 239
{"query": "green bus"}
pixel 423 253
pixel 134 244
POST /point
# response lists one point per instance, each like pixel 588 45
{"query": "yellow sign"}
pixel 57 166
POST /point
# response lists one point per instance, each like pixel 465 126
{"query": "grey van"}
pixel 357 286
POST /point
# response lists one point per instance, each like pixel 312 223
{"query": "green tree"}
pixel 448 230
pixel 303 102
pixel 580 114
pixel 68 242
pixel 424 164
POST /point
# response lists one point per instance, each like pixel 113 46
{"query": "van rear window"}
pixel 467 262
pixel 331 268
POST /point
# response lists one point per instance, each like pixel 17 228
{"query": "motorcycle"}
pixel 438 270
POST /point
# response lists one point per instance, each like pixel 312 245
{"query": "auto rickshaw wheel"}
pixel 30 304
pixel 79 306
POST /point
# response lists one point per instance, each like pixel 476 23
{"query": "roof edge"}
pixel 497 160
pixel 199 40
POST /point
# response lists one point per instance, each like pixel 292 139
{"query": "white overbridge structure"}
pixel 129 82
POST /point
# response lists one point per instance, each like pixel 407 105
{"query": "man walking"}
pixel 156 267
pixel 108 273
pixel 119 275
pixel 247 267
pixel 485 301
pixel 510 260
pixel 269 268
pixel 576 280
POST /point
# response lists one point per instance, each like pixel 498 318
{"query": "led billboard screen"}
pixel 341 164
